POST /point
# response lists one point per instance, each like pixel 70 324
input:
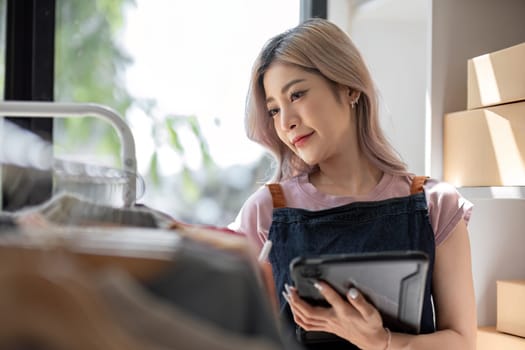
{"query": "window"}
pixel 177 71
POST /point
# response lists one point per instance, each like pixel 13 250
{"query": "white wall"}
pixel 394 45
pixel 497 239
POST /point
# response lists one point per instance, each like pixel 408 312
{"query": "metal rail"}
pixel 65 110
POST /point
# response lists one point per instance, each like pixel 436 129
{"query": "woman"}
pixel 339 187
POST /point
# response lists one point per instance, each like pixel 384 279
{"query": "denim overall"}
pixel 388 225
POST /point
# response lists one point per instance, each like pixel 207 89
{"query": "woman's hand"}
pixel 352 318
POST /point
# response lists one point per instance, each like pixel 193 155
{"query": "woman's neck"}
pixel 350 180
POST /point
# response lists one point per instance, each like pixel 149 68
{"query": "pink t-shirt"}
pixel 446 206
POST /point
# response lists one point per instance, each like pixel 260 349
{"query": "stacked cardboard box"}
pixel 485 144
pixel 509 333
pixel 511 307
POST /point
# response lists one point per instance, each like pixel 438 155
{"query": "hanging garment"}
pixel 220 288
pixel 7 223
pixel 166 325
pixel 47 301
pixel 216 288
pixel 69 210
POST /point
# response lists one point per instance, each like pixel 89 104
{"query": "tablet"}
pixel 394 282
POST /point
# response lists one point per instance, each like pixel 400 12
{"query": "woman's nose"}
pixel 289 119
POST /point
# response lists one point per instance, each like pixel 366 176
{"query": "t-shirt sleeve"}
pixel 255 217
pixel 446 207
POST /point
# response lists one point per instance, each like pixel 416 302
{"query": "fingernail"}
pixel 353 293
pixel 287 287
pixel 318 286
pixel 286 296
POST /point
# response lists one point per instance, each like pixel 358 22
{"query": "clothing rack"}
pixel 126 278
pixel 133 288
pixel 64 110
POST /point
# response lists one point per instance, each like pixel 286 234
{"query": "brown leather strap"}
pixel 417 184
pixel 278 199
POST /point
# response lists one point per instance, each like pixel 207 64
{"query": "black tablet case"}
pixel 392 281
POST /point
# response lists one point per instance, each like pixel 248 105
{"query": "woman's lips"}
pixel 301 140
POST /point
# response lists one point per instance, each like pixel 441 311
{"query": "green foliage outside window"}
pixel 89 67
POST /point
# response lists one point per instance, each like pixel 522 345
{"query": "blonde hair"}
pixel 318 45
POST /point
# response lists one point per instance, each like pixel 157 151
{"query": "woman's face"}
pixel 311 115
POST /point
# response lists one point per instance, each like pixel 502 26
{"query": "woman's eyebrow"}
pixel 287 86
pixel 290 84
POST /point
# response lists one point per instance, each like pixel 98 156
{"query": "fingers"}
pixel 358 301
pixel 366 310
pixel 303 308
pixel 309 324
pixel 331 296
pixel 352 318
pixel 305 315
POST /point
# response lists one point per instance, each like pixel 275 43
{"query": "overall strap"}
pixel 277 193
pixel 417 184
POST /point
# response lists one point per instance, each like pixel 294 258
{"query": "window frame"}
pixel 29 76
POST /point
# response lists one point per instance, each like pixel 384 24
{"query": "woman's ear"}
pixel 353 97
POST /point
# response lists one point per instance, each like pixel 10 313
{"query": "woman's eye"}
pixel 273 112
pixel 294 96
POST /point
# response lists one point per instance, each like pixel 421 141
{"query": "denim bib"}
pixel 394 224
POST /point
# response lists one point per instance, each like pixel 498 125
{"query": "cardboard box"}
pixel 490 339
pixel 485 147
pixel 496 78
pixel 511 307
